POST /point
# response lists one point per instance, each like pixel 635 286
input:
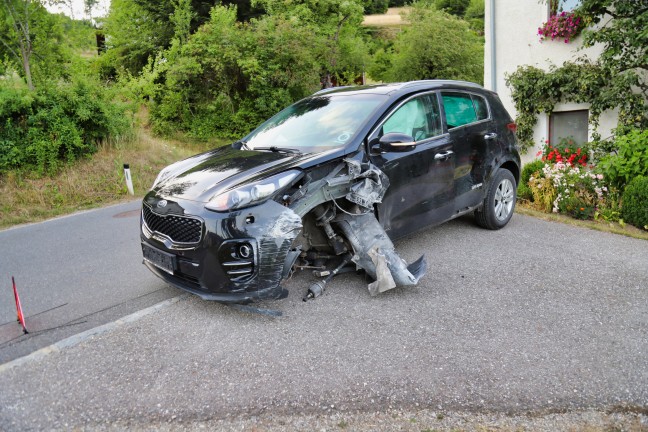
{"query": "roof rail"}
pixel 437 81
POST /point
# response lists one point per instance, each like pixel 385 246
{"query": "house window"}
pixel 557 6
pixel 568 124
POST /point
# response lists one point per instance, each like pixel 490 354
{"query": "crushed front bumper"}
pixel 234 257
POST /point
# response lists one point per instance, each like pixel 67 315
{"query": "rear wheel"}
pixel 499 202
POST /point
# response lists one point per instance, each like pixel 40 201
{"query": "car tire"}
pixel 499 202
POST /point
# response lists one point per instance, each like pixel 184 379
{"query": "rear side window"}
pixel 462 109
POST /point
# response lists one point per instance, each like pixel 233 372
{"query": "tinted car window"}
pixel 459 109
pixel 480 107
pixel 418 118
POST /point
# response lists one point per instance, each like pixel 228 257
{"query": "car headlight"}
pixel 251 194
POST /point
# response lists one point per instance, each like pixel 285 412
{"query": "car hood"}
pixel 200 177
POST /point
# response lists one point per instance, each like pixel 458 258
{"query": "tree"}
pixel 336 23
pixel 475 14
pixel 453 7
pixel 139 29
pixel 229 76
pixel 435 45
pixel 375 6
pixel 622 32
pixel 132 36
pixel 32 39
pixel 16 35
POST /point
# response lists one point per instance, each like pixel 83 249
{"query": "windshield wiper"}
pixel 279 149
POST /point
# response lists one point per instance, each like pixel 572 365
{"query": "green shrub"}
pixel 229 77
pixel 630 160
pixel 527 171
pixel 635 202
pixel 57 124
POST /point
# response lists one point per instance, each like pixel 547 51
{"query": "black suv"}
pixel 328 183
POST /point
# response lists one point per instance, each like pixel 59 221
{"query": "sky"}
pixel 74 8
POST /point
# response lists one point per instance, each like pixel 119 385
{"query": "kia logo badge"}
pixel 162 204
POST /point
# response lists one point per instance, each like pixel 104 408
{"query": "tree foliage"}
pixel 51 109
pixel 139 29
pixel 475 14
pixel 32 39
pixel 453 7
pixel 621 29
pixel 435 45
pixel 375 6
pixel 229 76
pixel 42 129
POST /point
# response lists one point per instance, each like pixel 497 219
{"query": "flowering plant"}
pixel 564 152
pixel 570 189
pixel 565 25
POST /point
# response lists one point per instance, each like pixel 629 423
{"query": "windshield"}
pixel 315 124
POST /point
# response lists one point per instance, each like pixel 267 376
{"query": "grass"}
pixel 598 225
pixel 92 182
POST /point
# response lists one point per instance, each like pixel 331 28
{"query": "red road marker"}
pixel 21 316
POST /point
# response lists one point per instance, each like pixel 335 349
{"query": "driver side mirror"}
pixel 395 141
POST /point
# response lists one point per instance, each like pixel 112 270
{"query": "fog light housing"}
pixel 238 259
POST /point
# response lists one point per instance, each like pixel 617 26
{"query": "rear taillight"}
pixel 512 127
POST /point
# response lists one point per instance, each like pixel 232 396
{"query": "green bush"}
pixel 635 202
pixel 630 160
pixel 40 130
pixel 528 170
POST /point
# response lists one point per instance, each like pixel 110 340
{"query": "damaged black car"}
pixel 327 184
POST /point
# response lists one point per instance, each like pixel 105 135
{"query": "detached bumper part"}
pixel 375 253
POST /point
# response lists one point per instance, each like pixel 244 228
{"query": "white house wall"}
pixel 517 43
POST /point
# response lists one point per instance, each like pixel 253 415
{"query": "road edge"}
pixel 83 336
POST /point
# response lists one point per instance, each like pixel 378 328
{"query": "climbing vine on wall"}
pixel 536 91
pixel 618 78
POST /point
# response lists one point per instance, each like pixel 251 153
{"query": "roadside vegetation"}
pixel 205 72
pixel 92 181
pixel 176 78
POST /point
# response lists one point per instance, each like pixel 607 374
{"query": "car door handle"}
pixel 490 136
pixel 444 155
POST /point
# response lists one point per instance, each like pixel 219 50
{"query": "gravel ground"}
pixel 537 318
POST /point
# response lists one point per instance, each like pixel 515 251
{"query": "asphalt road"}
pixel 538 317
pixel 73 273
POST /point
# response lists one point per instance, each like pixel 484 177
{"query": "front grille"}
pixel 179 229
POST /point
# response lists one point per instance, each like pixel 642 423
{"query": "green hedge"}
pixel 635 202
pixel 58 124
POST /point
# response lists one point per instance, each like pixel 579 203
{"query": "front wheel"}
pixel 499 202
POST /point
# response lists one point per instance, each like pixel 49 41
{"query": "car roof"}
pixel 397 89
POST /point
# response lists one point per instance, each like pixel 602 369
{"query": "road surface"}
pixel 538 317
pixel 73 273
